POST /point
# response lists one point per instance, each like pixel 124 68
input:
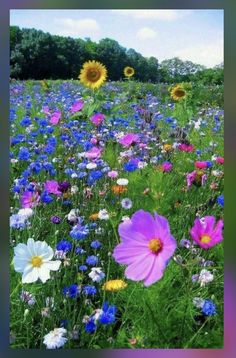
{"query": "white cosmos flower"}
pixel 122 181
pixel 55 339
pixel 34 261
pixel 91 166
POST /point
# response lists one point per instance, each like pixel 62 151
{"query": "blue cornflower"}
pixel 209 164
pixel 25 122
pixel 221 200
pixel 79 250
pixel 131 166
pixel 83 268
pixel 71 291
pixel 79 232
pixel 24 154
pixel 89 290
pixel 46 198
pixel 90 326
pixel 92 260
pixel 108 314
pixel 64 245
pixel 209 308
pixel 96 244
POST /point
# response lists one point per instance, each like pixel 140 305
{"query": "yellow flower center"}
pixel 205 239
pixel 155 245
pixel 36 261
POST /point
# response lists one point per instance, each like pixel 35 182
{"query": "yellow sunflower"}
pixel 128 71
pixel 178 93
pixel 114 285
pixel 93 74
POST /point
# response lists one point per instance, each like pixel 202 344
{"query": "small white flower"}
pixel 74 189
pixel 55 339
pixel 198 302
pixel 25 213
pixel 205 277
pixel 126 203
pixel 122 181
pixel 91 166
pixel 103 214
pixel 74 175
pixel 73 215
pixel 34 261
pixel 96 274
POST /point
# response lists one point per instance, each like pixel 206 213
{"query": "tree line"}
pixel 35 54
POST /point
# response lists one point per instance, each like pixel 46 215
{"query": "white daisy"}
pixel 55 338
pixel 34 261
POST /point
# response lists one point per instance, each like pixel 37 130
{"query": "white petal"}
pixel 20 263
pixel 52 265
pixel 30 275
pixel 44 273
pixel 47 255
pixel 21 250
pixel 31 247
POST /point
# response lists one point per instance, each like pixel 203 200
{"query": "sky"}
pixel 195 35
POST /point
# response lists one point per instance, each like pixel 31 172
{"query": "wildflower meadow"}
pixel 116 222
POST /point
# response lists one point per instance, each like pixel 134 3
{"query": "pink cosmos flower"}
pixel 220 160
pixel 146 247
pixel 194 176
pixel 77 106
pixel 29 199
pixel 55 117
pixel 186 147
pixel 129 139
pixel 166 167
pixel 97 118
pixel 112 174
pixel 46 110
pixel 93 140
pixel 93 153
pixel 200 165
pixel 205 233
pixel 52 187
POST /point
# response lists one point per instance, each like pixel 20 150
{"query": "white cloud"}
pixel 146 33
pixel 165 15
pixel 82 28
pixel 208 55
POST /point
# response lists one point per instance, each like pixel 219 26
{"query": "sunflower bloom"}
pixel 93 74
pixel 129 71
pixel 114 285
pixel 178 93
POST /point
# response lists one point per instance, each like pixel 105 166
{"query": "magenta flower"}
pixel 167 166
pixel 97 118
pixel 128 139
pixel 200 165
pixel 55 117
pixel 220 160
pixel 52 187
pixel 46 110
pixel 77 106
pixel 195 177
pixel 146 247
pixel 29 199
pixel 186 147
pixel 93 153
pixel 205 233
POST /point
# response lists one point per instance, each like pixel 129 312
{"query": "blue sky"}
pixel 195 35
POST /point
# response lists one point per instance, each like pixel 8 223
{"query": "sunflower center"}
pixel 36 261
pixel 93 75
pixel 205 239
pixel 179 93
pixel 155 245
